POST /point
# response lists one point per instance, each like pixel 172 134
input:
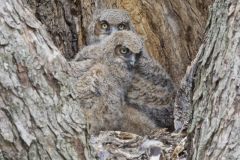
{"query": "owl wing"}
pixel 89 52
pixel 151 84
pixel 152 91
pixel 79 68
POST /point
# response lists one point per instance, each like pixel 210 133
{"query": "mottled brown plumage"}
pixel 103 87
pixel 152 90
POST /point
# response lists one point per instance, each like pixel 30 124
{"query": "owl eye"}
pixel 104 25
pixel 124 50
pixel 121 26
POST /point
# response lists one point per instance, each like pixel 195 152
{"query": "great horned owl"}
pixel 106 22
pixel 152 90
pixel 102 89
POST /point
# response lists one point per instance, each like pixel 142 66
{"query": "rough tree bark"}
pixel 172 29
pixel 40 117
pixel 39 113
pixel 215 128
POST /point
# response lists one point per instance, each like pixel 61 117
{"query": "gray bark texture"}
pixel 215 127
pixel 40 117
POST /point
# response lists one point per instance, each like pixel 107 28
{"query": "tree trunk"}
pixel 172 29
pixel 40 117
pixel 215 127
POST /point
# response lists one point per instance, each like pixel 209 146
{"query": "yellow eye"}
pixel 121 26
pixel 104 25
pixel 124 50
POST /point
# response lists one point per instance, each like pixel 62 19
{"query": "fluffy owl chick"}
pixel 106 22
pixel 102 89
pixel 152 90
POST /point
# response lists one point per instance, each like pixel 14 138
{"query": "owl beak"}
pixel 114 30
pixel 132 63
pixel 132 60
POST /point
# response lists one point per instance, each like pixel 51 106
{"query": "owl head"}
pixel 122 48
pixel 106 22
